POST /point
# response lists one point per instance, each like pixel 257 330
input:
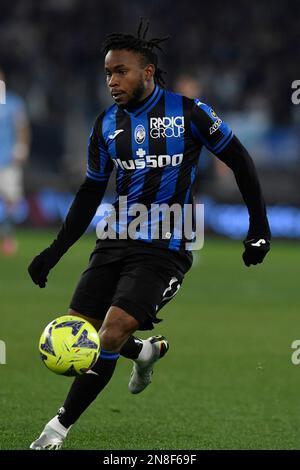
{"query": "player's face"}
pixel 128 81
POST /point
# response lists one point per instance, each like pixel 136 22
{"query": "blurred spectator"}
pixel 188 85
pixel 14 148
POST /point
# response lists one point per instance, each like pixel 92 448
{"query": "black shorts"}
pixel 138 280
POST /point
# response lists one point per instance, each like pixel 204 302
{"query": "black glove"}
pixel 42 264
pixel 256 249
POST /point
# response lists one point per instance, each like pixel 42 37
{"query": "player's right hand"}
pixel 41 265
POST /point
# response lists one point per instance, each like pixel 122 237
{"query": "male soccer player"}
pixel 14 149
pixel 154 138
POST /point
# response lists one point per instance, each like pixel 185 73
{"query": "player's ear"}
pixel 149 71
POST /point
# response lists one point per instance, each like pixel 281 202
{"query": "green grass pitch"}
pixel 227 382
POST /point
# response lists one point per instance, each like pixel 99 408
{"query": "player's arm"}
pixel 257 242
pixel 81 212
pixel 218 138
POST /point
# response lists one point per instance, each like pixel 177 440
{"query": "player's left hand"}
pixel 41 265
pixel 255 250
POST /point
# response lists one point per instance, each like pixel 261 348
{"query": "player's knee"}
pixel 111 340
pixel 116 329
pixel 112 336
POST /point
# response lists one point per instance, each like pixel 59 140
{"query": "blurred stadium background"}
pixel 241 59
pixel 229 382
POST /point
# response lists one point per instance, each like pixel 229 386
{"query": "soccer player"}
pixel 14 149
pixel 154 138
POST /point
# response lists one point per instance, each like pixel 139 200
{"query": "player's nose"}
pixel 113 81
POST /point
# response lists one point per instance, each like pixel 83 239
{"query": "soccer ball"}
pixel 69 345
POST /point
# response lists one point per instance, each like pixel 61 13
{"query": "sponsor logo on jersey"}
pixel 139 134
pixel 149 161
pixel 216 124
pixel 166 127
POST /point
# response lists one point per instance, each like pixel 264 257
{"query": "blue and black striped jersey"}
pixel 155 149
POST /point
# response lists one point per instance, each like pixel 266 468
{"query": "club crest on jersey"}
pixel 139 134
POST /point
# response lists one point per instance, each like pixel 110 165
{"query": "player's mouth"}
pixel 117 95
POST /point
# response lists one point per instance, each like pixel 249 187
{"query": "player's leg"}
pixel 118 325
pixel 95 291
pixel 151 284
pixel 114 332
pixel 91 300
pixel 132 347
pixel 132 292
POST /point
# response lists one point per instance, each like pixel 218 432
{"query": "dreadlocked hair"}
pixel 140 45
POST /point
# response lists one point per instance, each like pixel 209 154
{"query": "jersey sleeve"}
pixel 99 165
pixel 208 128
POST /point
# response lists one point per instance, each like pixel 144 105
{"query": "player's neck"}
pixel 148 92
pixel 146 96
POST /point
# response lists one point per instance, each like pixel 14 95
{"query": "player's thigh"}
pixel 145 287
pixel 95 290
